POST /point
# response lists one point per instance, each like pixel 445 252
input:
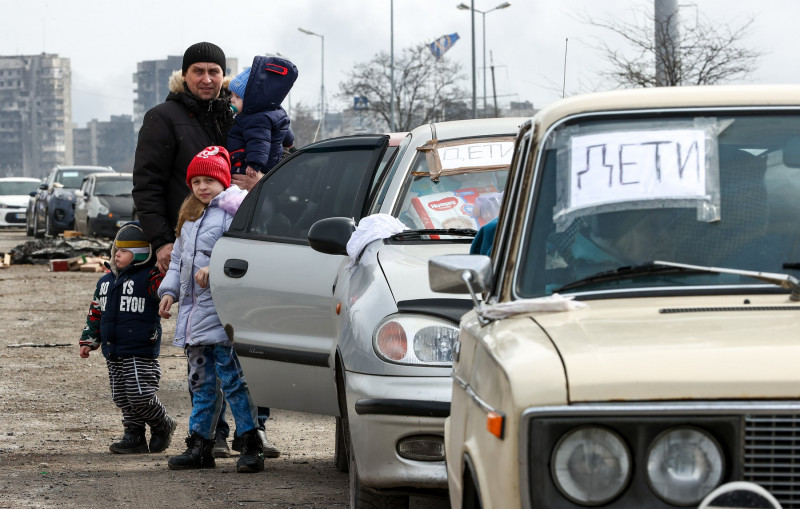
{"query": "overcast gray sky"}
pixel 105 39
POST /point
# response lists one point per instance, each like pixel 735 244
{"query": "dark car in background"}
pixel 103 204
pixel 51 210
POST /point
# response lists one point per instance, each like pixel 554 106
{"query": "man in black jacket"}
pixel 196 114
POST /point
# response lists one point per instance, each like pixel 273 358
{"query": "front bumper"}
pixel 382 410
pixel 12 216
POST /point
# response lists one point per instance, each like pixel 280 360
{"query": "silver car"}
pixel 362 338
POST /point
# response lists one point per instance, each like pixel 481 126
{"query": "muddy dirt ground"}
pixel 57 418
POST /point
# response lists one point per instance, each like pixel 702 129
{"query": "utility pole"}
pixel 667 42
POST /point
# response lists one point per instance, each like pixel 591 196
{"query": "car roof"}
pixel 712 96
pixel 109 175
pixel 92 168
pixel 19 179
pixel 470 128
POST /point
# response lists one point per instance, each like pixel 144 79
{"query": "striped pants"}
pixel 134 382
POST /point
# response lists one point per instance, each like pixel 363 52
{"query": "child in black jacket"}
pixel 123 320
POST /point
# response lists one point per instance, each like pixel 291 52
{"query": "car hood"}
pixel 716 347
pixel 406 268
pixel 118 203
pixel 14 200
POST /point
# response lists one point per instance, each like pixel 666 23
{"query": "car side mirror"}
pixel 459 273
pixel 330 235
pixel 79 194
pixel 42 187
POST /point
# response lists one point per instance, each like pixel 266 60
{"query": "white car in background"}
pixel 363 339
pixel 14 196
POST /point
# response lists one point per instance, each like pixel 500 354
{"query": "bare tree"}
pixel 305 120
pixel 423 86
pixel 704 52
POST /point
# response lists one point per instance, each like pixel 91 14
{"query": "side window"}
pixel 312 186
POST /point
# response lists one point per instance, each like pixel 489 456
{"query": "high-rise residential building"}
pixel 152 83
pixel 111 143
pixel 35 114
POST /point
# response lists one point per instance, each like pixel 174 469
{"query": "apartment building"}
pixel 35 114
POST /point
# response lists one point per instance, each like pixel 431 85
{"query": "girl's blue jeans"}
pixel 206 364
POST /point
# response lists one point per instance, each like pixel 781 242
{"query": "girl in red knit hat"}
pixel 204 216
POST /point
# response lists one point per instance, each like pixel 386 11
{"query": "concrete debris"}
pixel 41 251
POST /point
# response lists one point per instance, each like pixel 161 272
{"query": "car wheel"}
pixel 364 498
pixel 37 234
pixel 48 226
pixel 28 228
pixel 470 498
pixel 340 457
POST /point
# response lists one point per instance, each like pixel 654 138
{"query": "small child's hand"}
pixel 164 306
pixel 85 352
pixel 202 277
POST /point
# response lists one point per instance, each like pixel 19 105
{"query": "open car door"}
pixel 274 290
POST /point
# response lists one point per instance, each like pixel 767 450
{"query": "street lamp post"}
pixel 465 7
pixel 321 86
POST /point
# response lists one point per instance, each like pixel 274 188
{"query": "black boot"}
pixel 252 457
pixel 161 434
pixel 221 449
pixel 197 455
pixel 133 442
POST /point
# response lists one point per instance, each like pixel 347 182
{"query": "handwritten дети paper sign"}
pixel 637 165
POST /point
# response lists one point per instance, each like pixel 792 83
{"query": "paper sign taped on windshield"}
pixel 488 154
pixel 637 165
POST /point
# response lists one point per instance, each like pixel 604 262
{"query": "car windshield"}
pixel 17 188
pixel 113 187
pixel 615 195
pixel 457 184
pixel 72 179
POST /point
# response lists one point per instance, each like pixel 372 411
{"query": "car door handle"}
pixel 235 268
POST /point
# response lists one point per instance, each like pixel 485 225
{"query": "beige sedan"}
pixel 638 338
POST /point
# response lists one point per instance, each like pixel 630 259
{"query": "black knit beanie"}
pixel 203 52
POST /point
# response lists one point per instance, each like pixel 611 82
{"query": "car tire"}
pixel 48 226
pixel 37 234
pixel 28 229
pixel 340 456
pixel 470 496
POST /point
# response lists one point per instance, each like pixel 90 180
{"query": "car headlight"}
pixel 63 196
pixel 684 465
pixel 591 465
pixel 102 208
pixel 415 340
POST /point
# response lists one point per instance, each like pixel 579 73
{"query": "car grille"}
pixel 772 455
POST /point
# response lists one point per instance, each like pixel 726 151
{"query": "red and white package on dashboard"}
pixel 451 209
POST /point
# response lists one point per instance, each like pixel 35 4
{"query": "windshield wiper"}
pixel 783 280
pixel 625 272
pixel 418 234
pixel 658 267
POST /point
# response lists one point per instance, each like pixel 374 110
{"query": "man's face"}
pixel 204 80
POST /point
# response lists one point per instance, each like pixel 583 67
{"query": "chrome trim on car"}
pixel 744 409
pixel 486 407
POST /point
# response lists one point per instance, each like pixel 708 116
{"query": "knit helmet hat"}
pixel 203 52
pixel 213 162
pixel 239 83
pixel 131 238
